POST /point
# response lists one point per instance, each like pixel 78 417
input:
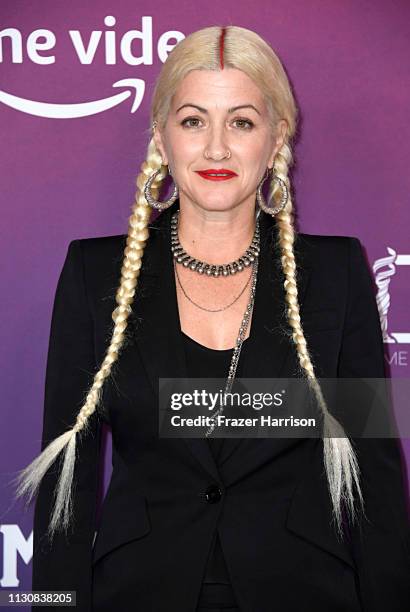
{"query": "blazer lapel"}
pixel 156 329
pixel 269 350
pixel 156 325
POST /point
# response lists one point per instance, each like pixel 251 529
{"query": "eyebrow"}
pixel 230 110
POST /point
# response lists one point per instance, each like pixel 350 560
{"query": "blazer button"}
pixel 213 494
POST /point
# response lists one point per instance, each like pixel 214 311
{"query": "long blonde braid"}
pixel 341 464
pixel 28 479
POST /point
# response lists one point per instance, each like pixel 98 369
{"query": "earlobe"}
pixel 158 145
pixel 164 157
pixel 283 133
pixel 281 137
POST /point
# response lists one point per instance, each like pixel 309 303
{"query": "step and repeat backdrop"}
pixel 75 88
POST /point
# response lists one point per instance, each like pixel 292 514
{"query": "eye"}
pixel 249 124
pixel 185 122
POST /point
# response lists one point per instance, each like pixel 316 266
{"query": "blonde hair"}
pixel 207 49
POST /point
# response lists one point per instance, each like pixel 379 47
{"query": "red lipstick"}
pixel 216 174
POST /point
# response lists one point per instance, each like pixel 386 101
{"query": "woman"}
pixel 193 523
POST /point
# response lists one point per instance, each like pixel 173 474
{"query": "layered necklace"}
pixel 249 258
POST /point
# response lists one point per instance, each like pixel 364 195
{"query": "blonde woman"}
pixel 195 523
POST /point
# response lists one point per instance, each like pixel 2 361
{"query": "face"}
pixel 204 125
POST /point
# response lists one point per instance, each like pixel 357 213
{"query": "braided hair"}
pixel 211 48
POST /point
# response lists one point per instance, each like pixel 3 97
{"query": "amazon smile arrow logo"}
pixel 136 88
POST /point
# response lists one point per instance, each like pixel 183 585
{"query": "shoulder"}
pixel 336 267
pixel 325 250
pixel 96 262
pixel 317 241
pixel 99 260
pixel 107 247
pixel 333 264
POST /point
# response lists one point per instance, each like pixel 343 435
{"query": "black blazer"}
pixel 274 514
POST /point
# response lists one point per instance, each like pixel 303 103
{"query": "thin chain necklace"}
pixel 238 346
pixel 240 339
pixel 202 307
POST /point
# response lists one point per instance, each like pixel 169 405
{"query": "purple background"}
pixel 63 179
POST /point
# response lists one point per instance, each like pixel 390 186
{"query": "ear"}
pixel 281 130
pixel 160 145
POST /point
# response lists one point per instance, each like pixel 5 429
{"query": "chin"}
pixel 216 202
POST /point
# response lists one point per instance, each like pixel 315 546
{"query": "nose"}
pixel 216 147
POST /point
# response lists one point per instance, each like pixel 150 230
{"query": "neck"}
pixel 216 236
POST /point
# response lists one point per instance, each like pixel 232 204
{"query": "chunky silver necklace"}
pixel 182 257
pixel 241 335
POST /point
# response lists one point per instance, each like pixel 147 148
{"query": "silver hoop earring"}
pixel 261 200
pixel 156 203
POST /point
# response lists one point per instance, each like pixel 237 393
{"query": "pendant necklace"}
pixel 252 252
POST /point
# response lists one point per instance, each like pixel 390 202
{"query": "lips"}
pixel 220 174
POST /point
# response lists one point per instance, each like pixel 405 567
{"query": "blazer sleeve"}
pixel 381 544
pixel 66 564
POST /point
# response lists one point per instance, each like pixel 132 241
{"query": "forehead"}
pixel 218 88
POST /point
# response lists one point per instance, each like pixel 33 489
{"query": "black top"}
pixel 203 362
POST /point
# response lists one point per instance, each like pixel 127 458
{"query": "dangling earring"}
pixel 261 200
pixel 156 203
